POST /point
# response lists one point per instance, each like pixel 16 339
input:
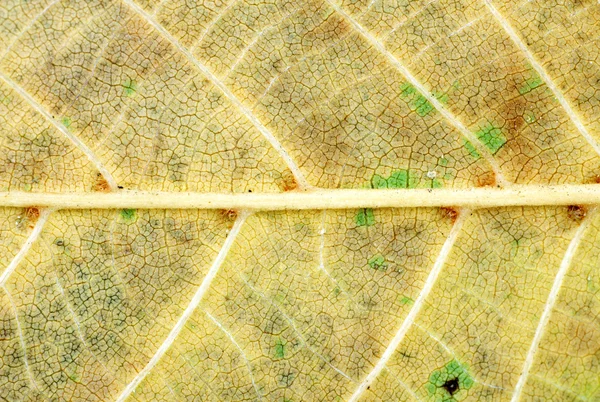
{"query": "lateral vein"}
pixel 33 236
pixel 416 308
pixel 556 286
pixel 452 119
pixel 543 75
pixel 60 127
pixel 187 313
pixel 300 179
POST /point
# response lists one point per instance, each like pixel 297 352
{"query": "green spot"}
pixel 530 85
pixel 449 383
pixel 406 300
pixel 492 137
pixel 472 150
pixel 422 106
pixel 365 217
pixel 435 183
pixel 128 215
pixel 398 179
pixel 130 87
pixel 529 117
pixel 337 291
pixel 66 121
pixel 418 102
pixel 378 262
pixel 443 162
pixel 280 349
pixel 407 89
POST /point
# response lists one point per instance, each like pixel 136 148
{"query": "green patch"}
pixel 378 262
pixel 492 137
pixel 472 150
pixel 66 121
pixel 129 215
pixel 280 349
pixel 530 85
pixel 450 383
pixel 443 161
pixel 406 300
pixel 365 217
pixel 130 87
pixel 399 179
pixel 418 102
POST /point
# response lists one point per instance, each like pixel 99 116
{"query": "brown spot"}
pixel 101 184
pixel 450 213
pixel 31 215
pixel 596 179
pixel 288 182
pixel 488 179
pixel 576 212
pixel 229 214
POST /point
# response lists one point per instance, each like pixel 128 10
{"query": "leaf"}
pixel 297 201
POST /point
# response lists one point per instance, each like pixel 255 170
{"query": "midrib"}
pixel 484 197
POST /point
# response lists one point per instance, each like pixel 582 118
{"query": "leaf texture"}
pixel 444 301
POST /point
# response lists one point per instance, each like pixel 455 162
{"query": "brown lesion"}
pixel 288 182
pixel 28 217
pixel 576 212
pixel 101 184
pixel 32 214
pixel 229 214
pixel 487 179
pixel 450 213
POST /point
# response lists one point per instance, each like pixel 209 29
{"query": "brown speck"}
pixel 450 213
pixel 229 214
pixel 576 212
pixel 288 182
pixel 487 179
pixel 101 184
pixel 31 214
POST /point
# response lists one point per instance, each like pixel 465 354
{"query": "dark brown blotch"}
pixel 451 386
pixel 576 212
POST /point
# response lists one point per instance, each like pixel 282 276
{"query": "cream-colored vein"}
pixel 480 197
pixel 556 286
pixel 239 348
pixel 541 71
pixel 191 307
pixel 21 340
pixel 449 116
pixel 27 28
pixel 299 176
pixel 31 239
pixel 61 127
pixel 416 308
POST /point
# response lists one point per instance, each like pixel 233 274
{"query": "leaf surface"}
pixel 113 287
